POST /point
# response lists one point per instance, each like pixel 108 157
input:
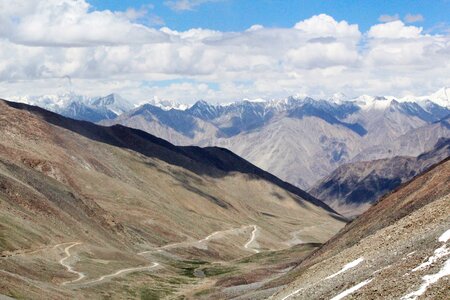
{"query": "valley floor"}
pixel 167 274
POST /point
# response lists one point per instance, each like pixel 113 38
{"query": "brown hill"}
pixel 353 188
pixel 398 249
pixel 93 212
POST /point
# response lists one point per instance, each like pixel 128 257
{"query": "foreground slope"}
pixel 398 249
pixel 94 212
pixel 353 187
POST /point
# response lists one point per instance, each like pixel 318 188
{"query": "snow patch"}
pixel 438 253
pixel 351 290
pixel 445 237
pixel 347 267
pixel 429 280
pixel 292 294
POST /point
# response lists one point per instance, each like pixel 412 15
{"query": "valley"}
pixel 82 216
pixel 224 150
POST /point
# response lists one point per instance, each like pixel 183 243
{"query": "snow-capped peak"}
pixel 441 97
pixel 338 98
pixel 52 102
pixel 113 102
pixel 367 102
pixel 167 104
pixel 257 100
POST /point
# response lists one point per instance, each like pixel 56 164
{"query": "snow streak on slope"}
pixel 428 280
pixel 351 290
pixel 438 253
pixel 347 267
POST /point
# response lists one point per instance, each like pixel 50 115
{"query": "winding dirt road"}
pixel 144 268
pixel 252 239
pixel 208 238
pixel 121 272
pixel 69 268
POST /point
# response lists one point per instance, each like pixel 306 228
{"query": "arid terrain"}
pixel 398 249
pixel 91 212
pixel 352 188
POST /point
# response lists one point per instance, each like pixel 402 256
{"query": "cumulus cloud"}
pixel 325 26
pixel 42 42
pixel 409 18
pixel 394 30
pixel 66 23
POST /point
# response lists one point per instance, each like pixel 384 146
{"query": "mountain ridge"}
pixel 353 187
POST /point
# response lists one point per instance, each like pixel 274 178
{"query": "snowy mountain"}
pixel 81 107
pixel 441 97
pixel 301 139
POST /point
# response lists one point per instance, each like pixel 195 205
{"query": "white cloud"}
pixel 182 5
pixel 409 18
pixel 65 23
pixel 325 26
pixel 43 42
pixel 323 55
pixel 394 30
pixel 388 18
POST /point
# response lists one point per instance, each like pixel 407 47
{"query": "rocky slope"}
pixel 398 249
pixel 92 212
pixel 353 187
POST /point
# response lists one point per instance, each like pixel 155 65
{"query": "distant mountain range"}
pixel 92 109
pixel 299 139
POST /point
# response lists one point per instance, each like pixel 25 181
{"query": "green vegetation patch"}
pixel 218 270
pixel 204 292
pixel 154 293
pixel 188 267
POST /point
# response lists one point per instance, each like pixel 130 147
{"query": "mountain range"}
pixel 92 109
pixel 299 139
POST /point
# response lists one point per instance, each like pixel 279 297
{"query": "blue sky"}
pixel 237 15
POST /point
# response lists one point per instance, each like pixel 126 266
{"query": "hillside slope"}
pixel 92 212
pixel 353 187
pixel 398 249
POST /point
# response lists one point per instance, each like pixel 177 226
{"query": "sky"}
pixel 223 50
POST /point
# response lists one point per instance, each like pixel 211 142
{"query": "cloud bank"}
pixel 45 42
